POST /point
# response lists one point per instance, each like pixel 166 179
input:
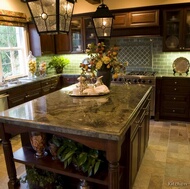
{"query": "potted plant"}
pixel 58 63
pixel 42 179
pixel 82 157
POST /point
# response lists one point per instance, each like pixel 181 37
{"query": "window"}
pixel 13 51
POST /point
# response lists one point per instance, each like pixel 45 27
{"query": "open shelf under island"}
pixel 117 123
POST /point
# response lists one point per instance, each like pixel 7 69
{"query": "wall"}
pixel 83 6
pixel 121 4
pixel 161 61
pixel 15 5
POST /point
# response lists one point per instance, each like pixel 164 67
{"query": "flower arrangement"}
pixel 101 58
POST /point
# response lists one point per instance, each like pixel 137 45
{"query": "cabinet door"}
pixel 62 42
pixel 76 35
pixel 186 44
pixel 134 156
pixel 47 44
pixel 173 24
pixel 143 18
pixel 34 40
pixel 33 91
pixel 173 30
pixel 89 33
pixel 56 83
pixel 16 96
pixel 46 86
pixel 120 20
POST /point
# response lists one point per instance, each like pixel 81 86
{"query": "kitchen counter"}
pixel 22 81
pixel 103 117
pixel 105 123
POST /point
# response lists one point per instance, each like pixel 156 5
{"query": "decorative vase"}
pixel 53 150
pixel 38 142
pixel 107 77
pixel 58 70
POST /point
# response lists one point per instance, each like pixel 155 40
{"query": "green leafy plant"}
pixel 82 157
pixel 58 63
pixel 38 178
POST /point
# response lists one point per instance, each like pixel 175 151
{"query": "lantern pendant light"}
pixel 51 16
pixel 103 21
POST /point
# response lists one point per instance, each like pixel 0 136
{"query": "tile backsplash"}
pixel 142 53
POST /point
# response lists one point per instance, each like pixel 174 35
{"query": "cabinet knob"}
pixel 173 111
pixel 175 82
pixel 175 89
pixel 174 98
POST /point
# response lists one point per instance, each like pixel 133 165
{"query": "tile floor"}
pixel 166 164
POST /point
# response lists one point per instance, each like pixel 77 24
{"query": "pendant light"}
pixel 51 16
pixel 103 20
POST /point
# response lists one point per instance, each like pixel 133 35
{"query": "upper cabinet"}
pixel 76 35
pixel 133 23
pixel 48 44
pixel 136 19
pixel 82 34
pixel 176 29
pixel 143 18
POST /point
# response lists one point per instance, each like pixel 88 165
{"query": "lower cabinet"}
pixel 50 85
pixel 16 96
pixel 70 79
pixel 172 98
pixel 139 140
pixel 30 91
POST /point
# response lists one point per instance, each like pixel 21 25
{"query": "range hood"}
pixel 93 1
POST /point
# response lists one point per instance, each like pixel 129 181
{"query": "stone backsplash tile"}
pixel 142 53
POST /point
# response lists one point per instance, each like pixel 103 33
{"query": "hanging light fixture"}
pixel 51 16
pixel 103 20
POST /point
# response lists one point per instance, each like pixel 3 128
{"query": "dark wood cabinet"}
pixel 50 85
pixel 82 33
pixel 34 39
pixel 62 43
pixel 70 79
pixel 120 20
pixel 30 91
pixel 143 18
pixel 136 19
pixel 172 98
pixel 48 44
pixel 23 93
pixel 16 96
pixel 176 29
pixel 139 139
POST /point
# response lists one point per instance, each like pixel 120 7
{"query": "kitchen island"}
pixel 117 123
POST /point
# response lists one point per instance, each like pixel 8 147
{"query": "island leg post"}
pixel 114 175
pixel 13 182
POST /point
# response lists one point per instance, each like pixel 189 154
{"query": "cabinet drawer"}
pixel 176 82
pixel 175 89
pixel 175 98
pixel 176 112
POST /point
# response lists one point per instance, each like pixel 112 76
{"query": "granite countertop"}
pixel 105 117
pixel 23 81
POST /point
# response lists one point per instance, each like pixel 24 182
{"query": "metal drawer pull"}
pixel 175 82
pixel 175 89
pixel 174 98
pixel 173 110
